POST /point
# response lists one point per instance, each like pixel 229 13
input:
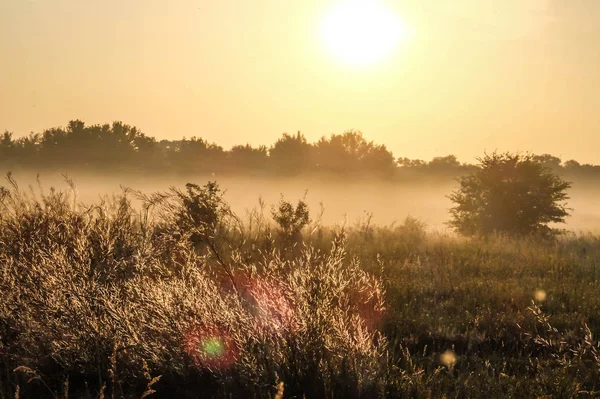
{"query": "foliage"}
pixel 119 147
pixel 116 300
pixel 252 158
pixel 350 153
pixel 202 211
pixel 195 154
pixel 102 293
pixel 291 220
pixel 290 154
pixel 509 194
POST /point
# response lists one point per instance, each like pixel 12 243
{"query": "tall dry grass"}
pixel 111 295
pixel 173 295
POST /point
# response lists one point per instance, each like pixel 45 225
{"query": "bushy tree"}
pixel 549 161
pixel 509 194
pixel 404 162
pixel 444 164
pixel 291 220
pixel 7 147
pixel 290 154
pixel 118 147
pixel 202 211
pixel 196 155
pixel 351 153
pixel 246 157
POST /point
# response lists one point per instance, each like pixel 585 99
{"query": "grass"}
pixel 173 295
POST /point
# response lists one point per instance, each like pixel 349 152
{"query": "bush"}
pixel 509 194
pixel 291 220
pixel 202 211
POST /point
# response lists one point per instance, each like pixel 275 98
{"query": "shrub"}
pixel 202 211
pixel 510 194
pixel 291 220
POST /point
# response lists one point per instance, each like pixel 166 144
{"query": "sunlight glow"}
pixel 362 32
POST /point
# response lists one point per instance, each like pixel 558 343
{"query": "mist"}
pixel 342 201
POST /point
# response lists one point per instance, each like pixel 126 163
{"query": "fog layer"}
pixel 343 201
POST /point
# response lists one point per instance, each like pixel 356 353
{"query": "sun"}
pixel 362 32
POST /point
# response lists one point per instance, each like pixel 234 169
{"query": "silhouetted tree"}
pixel 27 151
pixel 290 154
pixel 349 153
pixel 447 163
pixel 446 166
pixel 411 163
pixel 341 153
pixel 197 155
pixel 6 140
pixel 109 147
pixel 379 161
pixel 246 157
pixel 549 161
pixel 573 168
pixel 572 165
pixel 291 220
pixel 512 194
pixel 7 148
pixel 116 147
pixel 202 210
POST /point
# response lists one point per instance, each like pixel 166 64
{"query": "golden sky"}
pixel 471 75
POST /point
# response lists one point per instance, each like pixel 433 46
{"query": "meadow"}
pixel 173 294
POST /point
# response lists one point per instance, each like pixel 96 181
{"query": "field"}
pixel 172 294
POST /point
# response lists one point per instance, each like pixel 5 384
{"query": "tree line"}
pixel 119 147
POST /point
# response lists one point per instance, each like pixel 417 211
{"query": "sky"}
pixel 469 76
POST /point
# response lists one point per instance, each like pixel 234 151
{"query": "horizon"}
pixel 397 157
pixel 460 79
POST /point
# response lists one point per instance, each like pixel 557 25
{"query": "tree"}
pixel 572 165
pixel 548 161
pixel 444 164
pixel 411 163
pixel 110 147
pixel 7 148
pixel 290 154
pixel 246 157
pixel 291 221
pixel 351 154
pixel 509 194
pixel 197 155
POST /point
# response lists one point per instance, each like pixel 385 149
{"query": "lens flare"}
pixel 367 303
pixel 211 347
pixel 448 358
pixel 273 311
pixel 540 295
